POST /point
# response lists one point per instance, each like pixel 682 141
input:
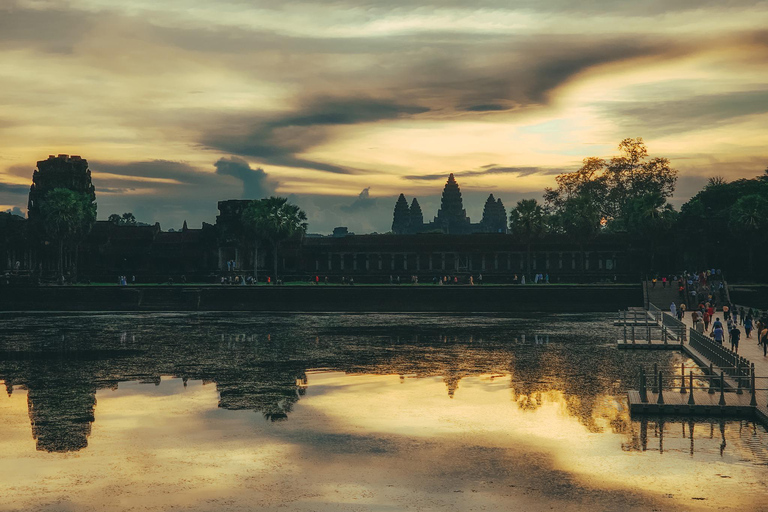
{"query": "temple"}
pixel 450 244
pixel 451 218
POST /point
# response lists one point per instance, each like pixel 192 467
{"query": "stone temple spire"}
pixel 452 217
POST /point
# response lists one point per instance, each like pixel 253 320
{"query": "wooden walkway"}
pixel 705 403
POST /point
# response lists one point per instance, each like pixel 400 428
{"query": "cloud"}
pixel 49 30
pixel 12 188
pixel 659 118
pixel 16 211
pixel 256 183
pixel 278 140
pixel 486 170
pixel 364 201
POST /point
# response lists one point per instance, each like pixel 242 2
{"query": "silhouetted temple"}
pixel 451 218
pixel 450 244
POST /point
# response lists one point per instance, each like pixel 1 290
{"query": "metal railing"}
pixel 668 381
pixel 674 324
pixel 654 311
pixel 717 353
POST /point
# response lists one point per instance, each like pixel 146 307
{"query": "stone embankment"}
pixel 404 298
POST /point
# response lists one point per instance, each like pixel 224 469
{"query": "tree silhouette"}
pixel 749 218
pixel 279 221
pixel 68 217
pixel 527 221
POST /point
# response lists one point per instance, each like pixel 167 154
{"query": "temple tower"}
pixel 452 217
pixel 62 171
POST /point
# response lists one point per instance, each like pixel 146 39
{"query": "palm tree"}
pixel 527 221
pixel 68 216
pixel 253 219
pixel 275 220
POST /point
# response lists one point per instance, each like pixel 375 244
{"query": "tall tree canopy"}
pixel 274 220
pixel 68 217
pixel 612 186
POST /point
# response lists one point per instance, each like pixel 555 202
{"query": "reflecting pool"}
pixel 201 412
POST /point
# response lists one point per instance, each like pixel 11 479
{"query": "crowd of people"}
pixel 705 321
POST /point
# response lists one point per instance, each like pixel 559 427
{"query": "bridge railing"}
pixel 654 311
pixel 730 362
pixel 674 325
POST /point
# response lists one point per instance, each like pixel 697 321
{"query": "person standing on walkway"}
pixel 735 334
pixel 673 309
pixel 682 310
pixel 741 315
pixel 748 326
pixel 717 334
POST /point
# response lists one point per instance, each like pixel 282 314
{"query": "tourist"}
pixel 471 281
pixel 351 281
pixel 522 280
pixel 706 317
pixel 717 323
pixel 734 335
pixel 741 315
pixel 698 325
pixel 664 282
pixel 673 309
pixel 326 280
pixel 546 278
pixel 726 312
pixel 748 325
pixel 480 279
pixel 682 310
pixel 717 334
pixel 654 282
pixel 391 279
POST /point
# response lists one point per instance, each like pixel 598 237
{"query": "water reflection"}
pixel 261 363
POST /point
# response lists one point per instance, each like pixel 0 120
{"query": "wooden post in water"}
pixel 660 400
pixel 738 377
pixel 753 400
pixel 633 333
pixel 690 396
pixel 643 389
pixel 711 380
pixel 655 388
pixel 722 388
pixel 682 377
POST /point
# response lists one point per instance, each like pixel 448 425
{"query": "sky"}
pixel 342 105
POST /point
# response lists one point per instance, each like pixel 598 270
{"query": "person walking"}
pixel 735 334
pixel 717 334
pixel 682 310
pixel 673 309
pixel 748 326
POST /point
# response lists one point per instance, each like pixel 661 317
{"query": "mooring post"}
pixel 682 377
pixel 738 377
pixel 722 388
pixel 655 388
pixel 711 380
pixel 664 334
pixel 633 333
pixel 753 400
pixel 690 396
pixel 625 333
pixel 649 334
pixel 660 400
pixel 643 389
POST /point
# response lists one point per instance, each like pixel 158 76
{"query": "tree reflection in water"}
pixel 260 363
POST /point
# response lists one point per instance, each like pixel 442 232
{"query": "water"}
pixel 351 412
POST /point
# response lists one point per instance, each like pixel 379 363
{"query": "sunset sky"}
pixel 343 105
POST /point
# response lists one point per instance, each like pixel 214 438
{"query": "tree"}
pixel 611 185
pixel 279 220
pixel 68 217
pixel 749 218
pixel 253 220
pixel 127 219
pixel 402 216
pixel 527 221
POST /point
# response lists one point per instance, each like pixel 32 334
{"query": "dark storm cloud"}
pixel 486 170
pixel 55 31
pixel 180 172
pixel 12 188
pixel 364 201
pixel 277 140
pixel 256 183
pixel 660 118
pixel 488 107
